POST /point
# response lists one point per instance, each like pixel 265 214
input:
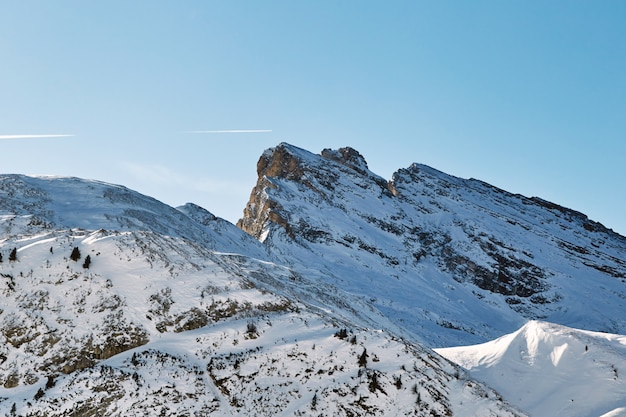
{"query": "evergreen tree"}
pixel 87 262
pixel 40 393
pixel 75 256
pixel 374 385
pixel 50 382
pixel 13 255
pixel 363 358
pixel 342 334
pixel 0 258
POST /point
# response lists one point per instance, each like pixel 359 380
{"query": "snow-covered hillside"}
pixel 551 370
pixel 179 313
pixel 31 204
pixel 327 303
pixel 439 256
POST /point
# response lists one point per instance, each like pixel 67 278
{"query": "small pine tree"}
pixel 374 385
pixel 0 258
pixel 13 255
pixel 363 358
pixel 39 394
pixel 341 334
pixel 75 256
pixel 87 262
pixel 251 330
pixel 416 391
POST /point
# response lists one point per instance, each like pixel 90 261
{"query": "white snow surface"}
pixel 552 370
pixel 179 314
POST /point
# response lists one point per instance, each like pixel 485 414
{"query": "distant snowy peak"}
pixel 30 204
pixel 547 369
pixel 66 202
pixel 199 214
pixel 536 344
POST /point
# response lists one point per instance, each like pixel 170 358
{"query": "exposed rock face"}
pixel 425 232
pixel 348 157
pixel 288 163
pixel 260 211
pixel 280 163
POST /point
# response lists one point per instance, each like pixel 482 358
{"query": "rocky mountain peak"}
pixel 280 162
pixel 498 253
pixel 319 177
pixel 347 156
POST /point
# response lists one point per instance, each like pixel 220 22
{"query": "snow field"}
pixel 548 369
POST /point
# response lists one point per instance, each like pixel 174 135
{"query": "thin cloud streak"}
pixel 33 136
pixel 231 131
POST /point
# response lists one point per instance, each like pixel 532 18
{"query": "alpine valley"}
pixel 339 293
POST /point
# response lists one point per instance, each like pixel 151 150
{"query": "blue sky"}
pixel 529 96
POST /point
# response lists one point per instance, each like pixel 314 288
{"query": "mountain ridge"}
pixel 328 302
pixel 199 321
pixel 463 239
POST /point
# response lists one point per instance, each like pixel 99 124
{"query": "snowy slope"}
pixel 178 313
pixel 30 204
pixel 292 365
pixel 320 308
pixel 437 255
pixel 551 370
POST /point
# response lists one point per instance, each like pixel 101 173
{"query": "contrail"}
pixel 231 131
pixel 33 136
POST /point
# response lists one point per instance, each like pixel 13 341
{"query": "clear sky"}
pixel 529 96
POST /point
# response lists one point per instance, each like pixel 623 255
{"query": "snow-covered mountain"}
pixel 31 204
pixel 114 304
pixel 328 302
pixel 552 370
pixel 451 261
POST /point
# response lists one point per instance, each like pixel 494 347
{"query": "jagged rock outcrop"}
pixel 286 163
pixel 347 156
pixel 439 255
